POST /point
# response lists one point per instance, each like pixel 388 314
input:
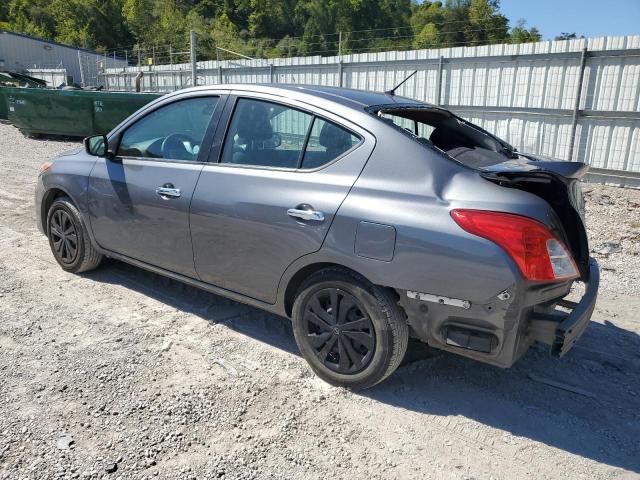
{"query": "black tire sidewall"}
pixel 383 350
pixel 63 204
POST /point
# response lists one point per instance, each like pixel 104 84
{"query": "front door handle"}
pixel 306 212
pixel 168 191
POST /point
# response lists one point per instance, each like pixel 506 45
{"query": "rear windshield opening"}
pixel 459 139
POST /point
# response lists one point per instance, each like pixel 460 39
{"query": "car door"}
pixel 139 200
pixel 271 193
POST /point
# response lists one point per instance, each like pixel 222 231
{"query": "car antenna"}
pixel 393 90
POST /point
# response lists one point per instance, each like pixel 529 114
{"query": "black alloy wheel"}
pixel 339 331
pixel 352 333
pixel 64 237
pixel 69 239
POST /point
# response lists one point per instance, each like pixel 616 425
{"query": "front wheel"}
pixel 352 333
pixel 69 239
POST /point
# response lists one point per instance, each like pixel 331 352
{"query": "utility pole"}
pixel 173 77
pixel 104 70
pixel 81 69
pixel 194 71
pixel 576 106
pixel 439 81
pixel 339 43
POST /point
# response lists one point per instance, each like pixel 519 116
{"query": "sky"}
pixel 591 18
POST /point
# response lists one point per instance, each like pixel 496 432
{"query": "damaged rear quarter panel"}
pixel 413 188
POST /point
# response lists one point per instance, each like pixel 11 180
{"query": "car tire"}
pixel 367 327
pixel 68 238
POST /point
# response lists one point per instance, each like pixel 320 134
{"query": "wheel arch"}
pixel 294 282
pixel 47 200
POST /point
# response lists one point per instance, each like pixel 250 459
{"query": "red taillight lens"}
pixel 539 255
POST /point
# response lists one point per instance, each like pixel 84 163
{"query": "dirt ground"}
pixel 120 373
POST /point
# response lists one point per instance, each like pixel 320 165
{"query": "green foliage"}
pixel 265 28
pixel 520 34
pixel 429 37
pixel 486 24
pixel 567 36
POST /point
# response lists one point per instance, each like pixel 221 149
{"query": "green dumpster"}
pixel 77 113
pixel 4 109
pixel 4 101
pixel 15 80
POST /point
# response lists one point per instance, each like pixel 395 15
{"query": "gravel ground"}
pixel 120 373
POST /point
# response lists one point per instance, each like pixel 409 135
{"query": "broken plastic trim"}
pixel 428 297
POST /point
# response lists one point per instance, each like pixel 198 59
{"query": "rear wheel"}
pixel 69 239
pixel 352 333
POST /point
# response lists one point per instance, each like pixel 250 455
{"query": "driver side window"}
pixel 174 131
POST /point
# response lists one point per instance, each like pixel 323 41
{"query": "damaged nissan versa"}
pixel 366 218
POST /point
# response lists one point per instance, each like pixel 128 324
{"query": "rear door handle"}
pixel 306 214
pixel 168 191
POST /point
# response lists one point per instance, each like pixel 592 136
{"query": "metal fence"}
pixel 576 99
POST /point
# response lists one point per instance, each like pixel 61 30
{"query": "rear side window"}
pixel 326 143
pixel 272 135
pixel 419 129
pixel 174 131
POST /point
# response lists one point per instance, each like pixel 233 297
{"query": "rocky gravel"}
pixel 613 225
pixel 122 374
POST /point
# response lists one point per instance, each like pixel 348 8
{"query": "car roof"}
pixel 357 99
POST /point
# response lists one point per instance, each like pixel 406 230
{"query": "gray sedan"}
pixel 364 217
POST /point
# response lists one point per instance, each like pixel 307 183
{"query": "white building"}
pixel 22 53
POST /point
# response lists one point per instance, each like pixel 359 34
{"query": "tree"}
pixel 486 24
pixel 272 18
pixel 567 36
pixel 520 34
pixel 425 13
pixel 30 17
pixel 265 27
pixel 98 24
pixel 429 37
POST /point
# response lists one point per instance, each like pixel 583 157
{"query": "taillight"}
pixel 539 255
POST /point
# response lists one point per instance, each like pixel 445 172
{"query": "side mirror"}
pixel 97 145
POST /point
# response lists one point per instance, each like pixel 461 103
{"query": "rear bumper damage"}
pixel 500 330
pixel 561 330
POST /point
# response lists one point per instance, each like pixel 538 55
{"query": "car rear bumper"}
pixel 502 331
pixel 561 330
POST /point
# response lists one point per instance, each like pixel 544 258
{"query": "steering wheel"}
pixel 173 146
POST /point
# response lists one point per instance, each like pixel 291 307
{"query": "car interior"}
pixel 253 140
pixel 468 145
pixel 174 131
pixel 261 133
